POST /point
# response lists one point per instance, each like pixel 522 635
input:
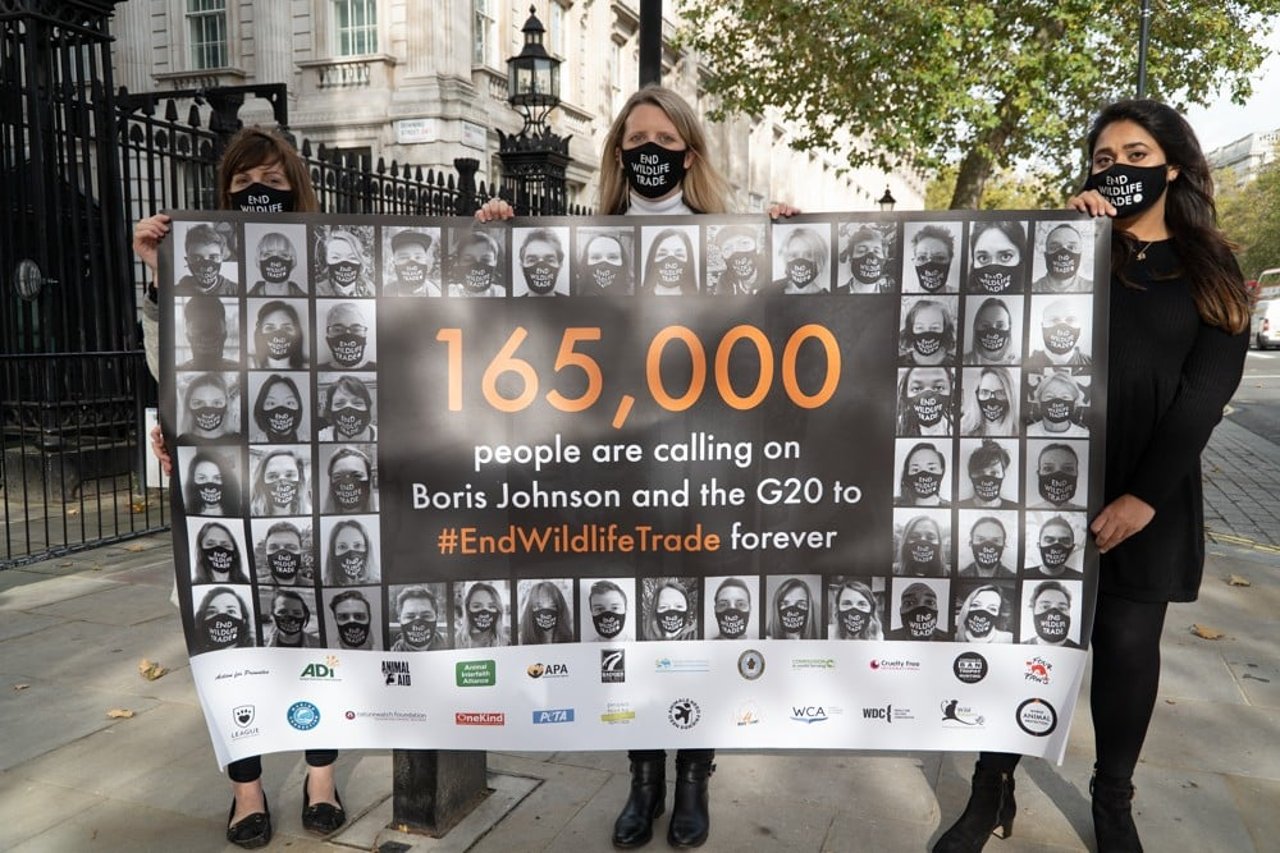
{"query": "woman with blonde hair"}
pixel 856 612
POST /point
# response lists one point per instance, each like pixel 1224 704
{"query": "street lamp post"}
pixel 534 160
pixel 887 201
pixel 1144 36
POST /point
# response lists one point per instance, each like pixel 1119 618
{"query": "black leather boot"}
pixel 1113 815
pixel 634 826
pixel 690 822
pixel 991 807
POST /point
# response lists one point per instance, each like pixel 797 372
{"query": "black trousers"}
pixel 681 754
pixel 1126 675
pixel 250 769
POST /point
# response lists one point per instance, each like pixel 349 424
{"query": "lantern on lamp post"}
pixel 887 201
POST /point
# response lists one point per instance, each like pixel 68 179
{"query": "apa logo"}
pixel 684 713
pixel 327 671
pixel 548 670
pixel 1038 670
pixel 553 715
pixel 809 714
pixel 955 715
pixel 613 666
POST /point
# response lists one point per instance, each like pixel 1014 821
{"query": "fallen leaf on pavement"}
pixel 21 686
pixel 1236 580
pixel 135 547
pixel 1207 633
pixel 150 671
pixel 119 713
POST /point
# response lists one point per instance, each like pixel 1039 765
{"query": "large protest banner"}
pixel 443 485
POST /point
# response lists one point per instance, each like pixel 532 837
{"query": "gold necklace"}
pixel 1142 253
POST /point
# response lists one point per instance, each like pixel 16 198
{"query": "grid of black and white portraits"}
pixel 275 342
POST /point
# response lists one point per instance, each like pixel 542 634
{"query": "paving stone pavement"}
pixel 1242 486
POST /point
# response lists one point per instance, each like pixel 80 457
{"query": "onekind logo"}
pixel 479 718
pixel 553 715
pixel 809 714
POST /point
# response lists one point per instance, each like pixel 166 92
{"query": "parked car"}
pixel 1265 327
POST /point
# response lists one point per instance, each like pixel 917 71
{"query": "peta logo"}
pixel 553 715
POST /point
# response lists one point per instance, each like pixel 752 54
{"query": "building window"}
pixel 615 76
pixel 555 29
pixel 484 35
pixel 357 27
pixel 207 27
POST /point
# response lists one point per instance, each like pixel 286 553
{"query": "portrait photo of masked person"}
pixel 867 254
pixel 1058 406
pixel 729 608
pixel 795 613
pixel 992 481
pixel 994 327
pixel 211 265
pixel 918 614
pixel 928 334
pixel 351 551
pixel 288 621
pixel 855 610
pixel 410 259
pixel 538 267
pixel 931 254
pixel 348 407
pixel 985 613
pixel 605 609
pixel 990 401
pixel 922 543
pixel 223 619
pixel 670 261
pixel 605 262
pixel 1064 257
pixel 217 552
pixel 280 408
pixel 351 620
pixel 211 329
pixel 210 411
pixel 545 613
pixel 997 257
pixel 350 480
pixel 924 479
pixel 211 481
pixel 1055 545
pixel 990 548
pixel 476 261
pixel 1061 336
pixel 1053 614
pixel 279 339
pixel 348 332
pixel 1060 479
pixel 282 555
pixel 802 262
pixel 741 249
pixel 669 608
pixel 925 402
pixel 275 259
pixel 344 261
pixel 280 485
pixel 483 611
pixel 421 625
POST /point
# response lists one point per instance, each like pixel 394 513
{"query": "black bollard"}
pixel 433 789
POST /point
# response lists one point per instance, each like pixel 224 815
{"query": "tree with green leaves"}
pixel 1250 215
pixel 987 83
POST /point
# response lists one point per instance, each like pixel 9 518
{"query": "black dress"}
pixel 1169 377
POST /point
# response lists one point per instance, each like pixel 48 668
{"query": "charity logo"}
pixel 1037 717
pixel 613 666
pixel 479 718
pixel 388 716
pixel 684 713
pixel 747 714
pixel 1038 670
pixel 669 665
pixel 553 715
pixel 886 713
pixel 303 716
pixel 970 667
pixel 751 664
pixel 326 671
pixel 243 715
pixel 395 673
pixel 476 673
pixel 896 665
pixel 957 715
pixel 548 670
pixel 617 713
pixel 350 715
pixel 813 713
pixel 813 663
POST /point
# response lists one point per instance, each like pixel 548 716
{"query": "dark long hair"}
pixel 1189 213
pixel 255 146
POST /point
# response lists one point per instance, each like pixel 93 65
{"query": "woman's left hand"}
pixel 780 209
pixel 1119 520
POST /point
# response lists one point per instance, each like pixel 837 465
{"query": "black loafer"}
pixel 250 832
pixel 322 818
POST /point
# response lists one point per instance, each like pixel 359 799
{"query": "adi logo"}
pixel 327 671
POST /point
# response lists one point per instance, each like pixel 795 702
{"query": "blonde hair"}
pixel 705 191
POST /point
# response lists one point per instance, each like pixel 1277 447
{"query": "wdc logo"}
pixel 613 666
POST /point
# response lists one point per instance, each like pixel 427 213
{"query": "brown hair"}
pixel 705 191
pixel 253 146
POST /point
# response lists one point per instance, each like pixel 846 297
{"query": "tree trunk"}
pixel 971 180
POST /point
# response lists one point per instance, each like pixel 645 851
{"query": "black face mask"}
pixel 206 271
pixel 1062 264
pixel 279 345
pixel 924 484
pixel 284 565
pixel 979 623
pixel 1130 189
pixel 987 556
pixel 868 268
pixel 670 271
pixel 220 559
pixel 653 171
pixel 352 564
pixel 222 631
pixel 541 278
pixel 996 278
pixel 349 490
pixel 732 622
pixel 353 635
pixel 992 341
pixel 411 274
pixel 344 274
pixel 260 198
pixel 926 343
pixel 1052 626
pixel 1058 487
pixel 994 409
pixel 279 422
pixel 474 276
pixel 546 618
pixel 275 269
pixel 920 622
pixel 1054 556
pixel 609 624
pixel 1057 411
pixel 287 623
pixel 793 618
pixel 853 620
pixel 929 406
pixel 418 633
pixel 482 620
pixel 921 555
pixel 349 421
pixel 801 272
pixel 742 265
pixel 986 487
pixel 933 275
pixel 348 350
pixel 210 494
pixel 604 274
pixel 208 418
pixel 671 621
pixel 283 492
pixel 1060 338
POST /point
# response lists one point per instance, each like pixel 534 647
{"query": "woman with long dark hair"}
pixel 1179 333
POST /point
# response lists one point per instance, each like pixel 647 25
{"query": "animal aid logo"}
pixel 395 673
